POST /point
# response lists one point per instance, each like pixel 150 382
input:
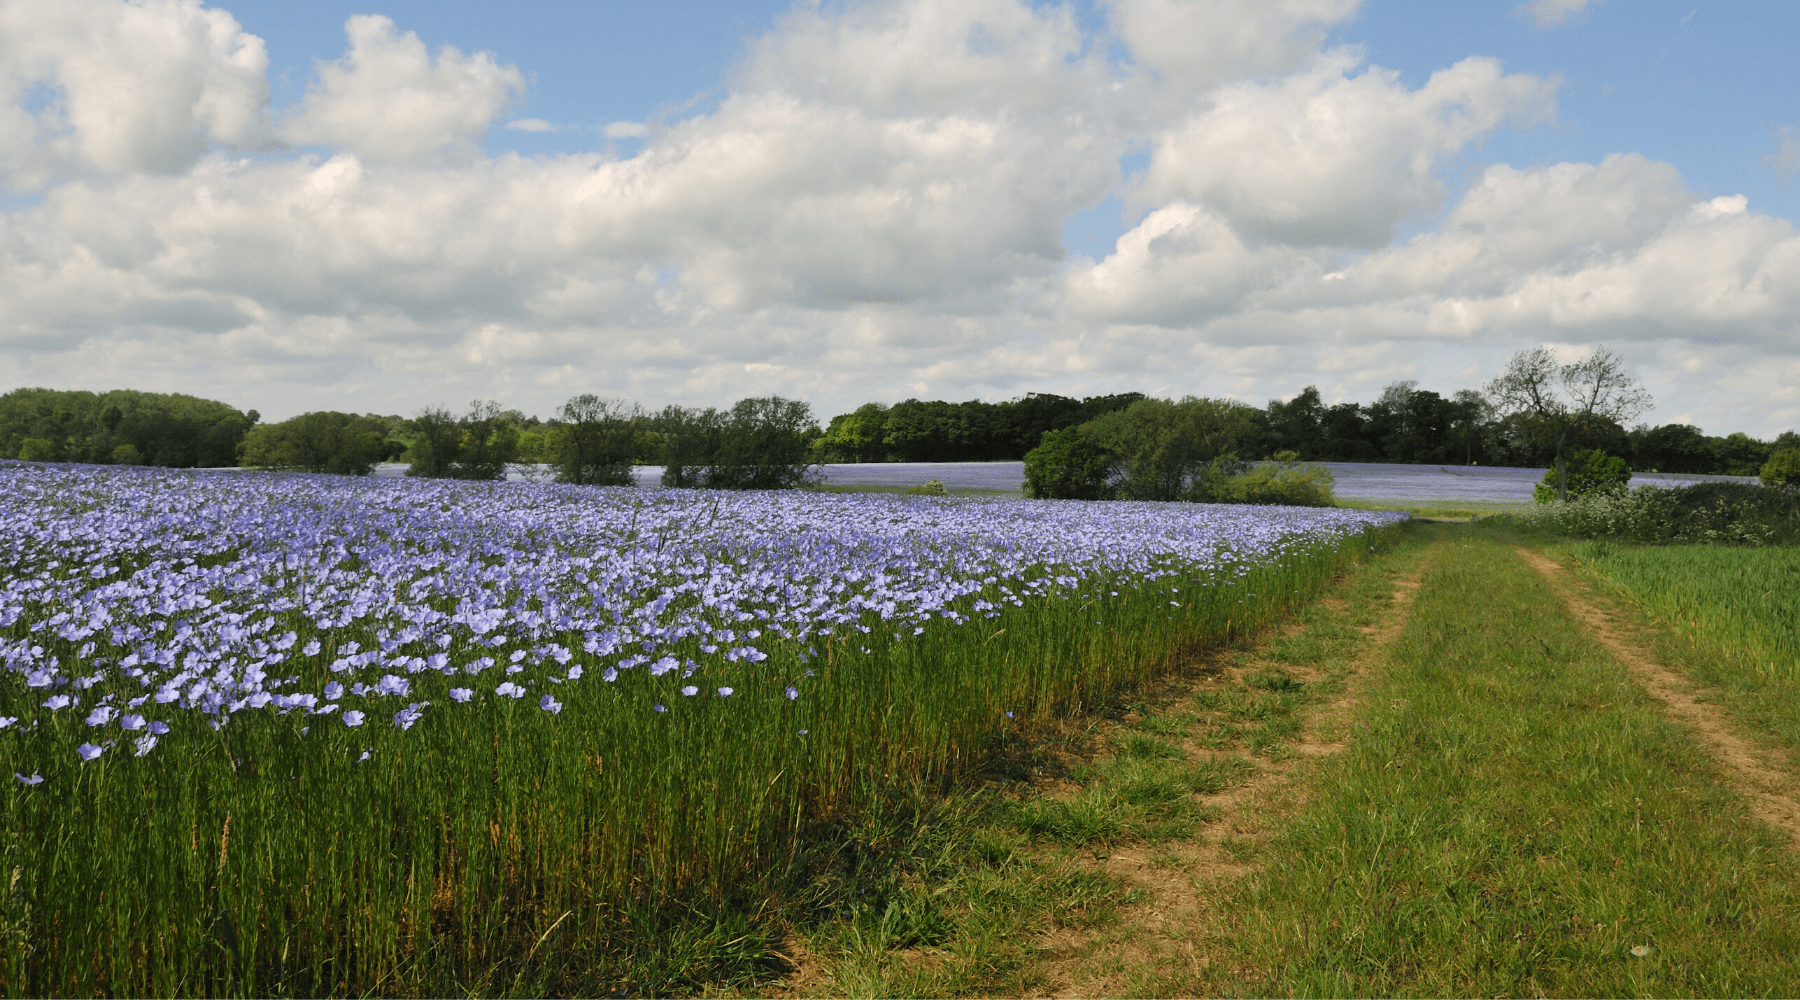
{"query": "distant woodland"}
pixel 595 438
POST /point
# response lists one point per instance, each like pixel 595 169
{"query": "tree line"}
pixel 770 441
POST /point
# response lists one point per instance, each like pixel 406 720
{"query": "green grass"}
pixel 1437 510
pixel 1513 816
pixel 1729 616
pixel 1002 854
pixel 490 851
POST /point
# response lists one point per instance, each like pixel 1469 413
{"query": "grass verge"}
pixel 1729 617
pixel 1513 816
pixel 1036 872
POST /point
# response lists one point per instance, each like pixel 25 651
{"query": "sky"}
pixel 379 206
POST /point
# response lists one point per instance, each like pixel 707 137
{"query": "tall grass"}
pixel 502 848
pixel 1744 602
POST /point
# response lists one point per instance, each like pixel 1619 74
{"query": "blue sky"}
pixel 1703 86
pixel 298 207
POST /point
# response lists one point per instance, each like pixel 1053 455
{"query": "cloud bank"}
pixel 873 210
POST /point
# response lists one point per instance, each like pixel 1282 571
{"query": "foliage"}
pixel 762 445
pixel 690 437
pixel 1782 468
pixel 479 445
pixel 1067 465
pixel 289 771
pixel 37 450
pixel 1556 402
pixel 1282 480
pixel 974 431
pixel 1709 513
pixel 340 443
pixel 596 442
pixel 166 429
pixel 1587 470
pixel 1511 815
pixel 929 488
pixel 1164 450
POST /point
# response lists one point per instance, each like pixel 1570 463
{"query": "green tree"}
pixel 342 444
pixel 37 450
pixel 1067 465
pixel 1589 470
pixel 1163 450
pixel 690 437
pixel 1559 402
pixel 762 445
pixel 857 436
pixel 1782 468
pixel 596 442
pixel 479 445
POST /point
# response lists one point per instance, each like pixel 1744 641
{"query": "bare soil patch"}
pixel 1765 786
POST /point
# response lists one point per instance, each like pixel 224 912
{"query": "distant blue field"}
pixel 1366 482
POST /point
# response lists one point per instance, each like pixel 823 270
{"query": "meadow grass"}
pixel 499 849
pixel 1513 816
pixel 1437 510
pixel 1014 851
pixel 1729 616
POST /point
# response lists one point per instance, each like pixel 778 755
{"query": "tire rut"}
pixel 1765 787
pixel 1166 928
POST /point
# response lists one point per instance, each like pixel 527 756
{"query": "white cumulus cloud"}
pixel 96 86
pixel 388 99
pixel 874 208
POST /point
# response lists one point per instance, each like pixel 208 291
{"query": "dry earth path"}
pixel 1176 884
pixel 1769 789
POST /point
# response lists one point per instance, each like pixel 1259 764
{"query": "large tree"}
pixel 597 441
pixel 1561 402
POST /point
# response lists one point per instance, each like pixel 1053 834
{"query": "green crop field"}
pixel 1736 610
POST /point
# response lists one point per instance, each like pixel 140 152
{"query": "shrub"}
pixel 1285 481
pixel 1068 466
pixel 127 454
pixel 1782 468
pixel 1709 513
pixel 1168 450
pixel 343 444
pixel 1589 471
pixel 930 488
pixel 36 450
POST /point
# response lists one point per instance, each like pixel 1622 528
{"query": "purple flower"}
pixel 35 779
pixel 7 720
pixel 792 693
pixel 334 691
pixel 353 718
pixel 159 727
pixel 690 690
pixel 101 716
pixel 88 751
pixel 508 689
pixel 131 723
pixel 724 692
pixel 145 744
pixel 406 717
pixel 461 694
pixel 57 702
pixel 311 648
pixel 659 708
pixel 550 704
